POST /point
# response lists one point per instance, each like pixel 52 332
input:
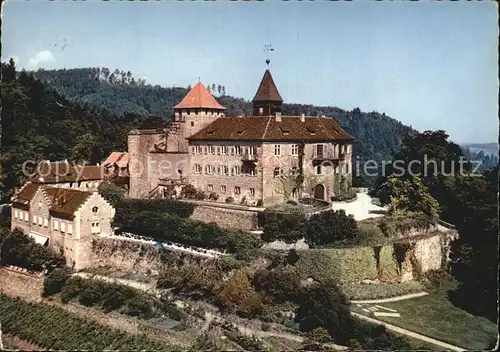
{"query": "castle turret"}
pixel 197 110
pixel 267 100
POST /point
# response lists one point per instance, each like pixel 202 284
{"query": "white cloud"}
pixel 41 57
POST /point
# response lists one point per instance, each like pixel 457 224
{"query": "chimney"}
pixel 302 118
pixel 278 116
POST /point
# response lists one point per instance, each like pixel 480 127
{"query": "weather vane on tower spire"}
pixel 267 49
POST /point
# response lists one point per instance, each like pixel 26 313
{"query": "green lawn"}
pixel 434 316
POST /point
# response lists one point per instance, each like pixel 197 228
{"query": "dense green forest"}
pixel 40 124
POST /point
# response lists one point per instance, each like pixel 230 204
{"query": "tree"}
pixel 408 195
pixel 85 149
pixel 330 226
pixel 280 284
pixel 238 294
pixel 325 306
pixel 55 281
pixel 112 193
pixel 20 250
pixel 474 255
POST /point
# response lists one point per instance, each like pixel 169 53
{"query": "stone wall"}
pixel 226 217
pixel 141 259
pixel 15 284
pixel 133 257
pixel 392 263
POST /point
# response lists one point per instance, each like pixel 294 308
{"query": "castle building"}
pixel 249 159
pixel 65 219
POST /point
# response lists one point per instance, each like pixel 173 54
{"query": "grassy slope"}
pixel 434 316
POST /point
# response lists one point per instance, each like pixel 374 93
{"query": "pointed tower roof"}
pixel 267 90
pixel 199 97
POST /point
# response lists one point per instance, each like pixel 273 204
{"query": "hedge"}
pixel 128 208
pixel 167 227
pixel 56 329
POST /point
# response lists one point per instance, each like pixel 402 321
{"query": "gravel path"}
pixel 392 299
pixel 360 208
pixel 409 333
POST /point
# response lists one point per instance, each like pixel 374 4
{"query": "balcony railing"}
pixel 328 156
pixel 171 181
pixel 249 157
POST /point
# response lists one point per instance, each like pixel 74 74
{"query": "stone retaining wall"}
pixel 137 258
pixel 238 219
pixel 27 286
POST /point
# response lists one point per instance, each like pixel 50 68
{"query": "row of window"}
pixel 279 150
pixel 223 150
pixel 224 170
pixel 295 170
pixel 88 184
pixel 237 190
pixel 41 221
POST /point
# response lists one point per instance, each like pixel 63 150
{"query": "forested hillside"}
pixel 40 124
pixel 377 135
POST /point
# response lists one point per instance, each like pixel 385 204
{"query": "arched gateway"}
pixel 319 192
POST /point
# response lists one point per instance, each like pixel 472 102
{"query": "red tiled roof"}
pixel 266 128
pixel 267 89
pixel 118 158
pixel 199 97
pixel 56 172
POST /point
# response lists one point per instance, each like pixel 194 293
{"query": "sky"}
pixel 430 65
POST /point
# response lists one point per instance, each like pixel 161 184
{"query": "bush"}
pixel 113 300
pixel 279 284
pixel 90 295
pixel 112 193
pixel 288 227
pixel 376 337
pixel 72 289
pixel 55 281
pixel 330 226
pixel 291 202
pixel 260 203
pixel 127 209
pixel 213 196
pixel 139 306
pixel 167 227
pixel 317 335
pixel 228 263
pixel 239 294
pixel 229 200
pixel 351 194
pixel 265 326
pixel 324 305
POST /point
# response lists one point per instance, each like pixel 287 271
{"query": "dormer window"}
pixel 310 130
pixel 240 132
pixel 212 129
pixel 285 130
